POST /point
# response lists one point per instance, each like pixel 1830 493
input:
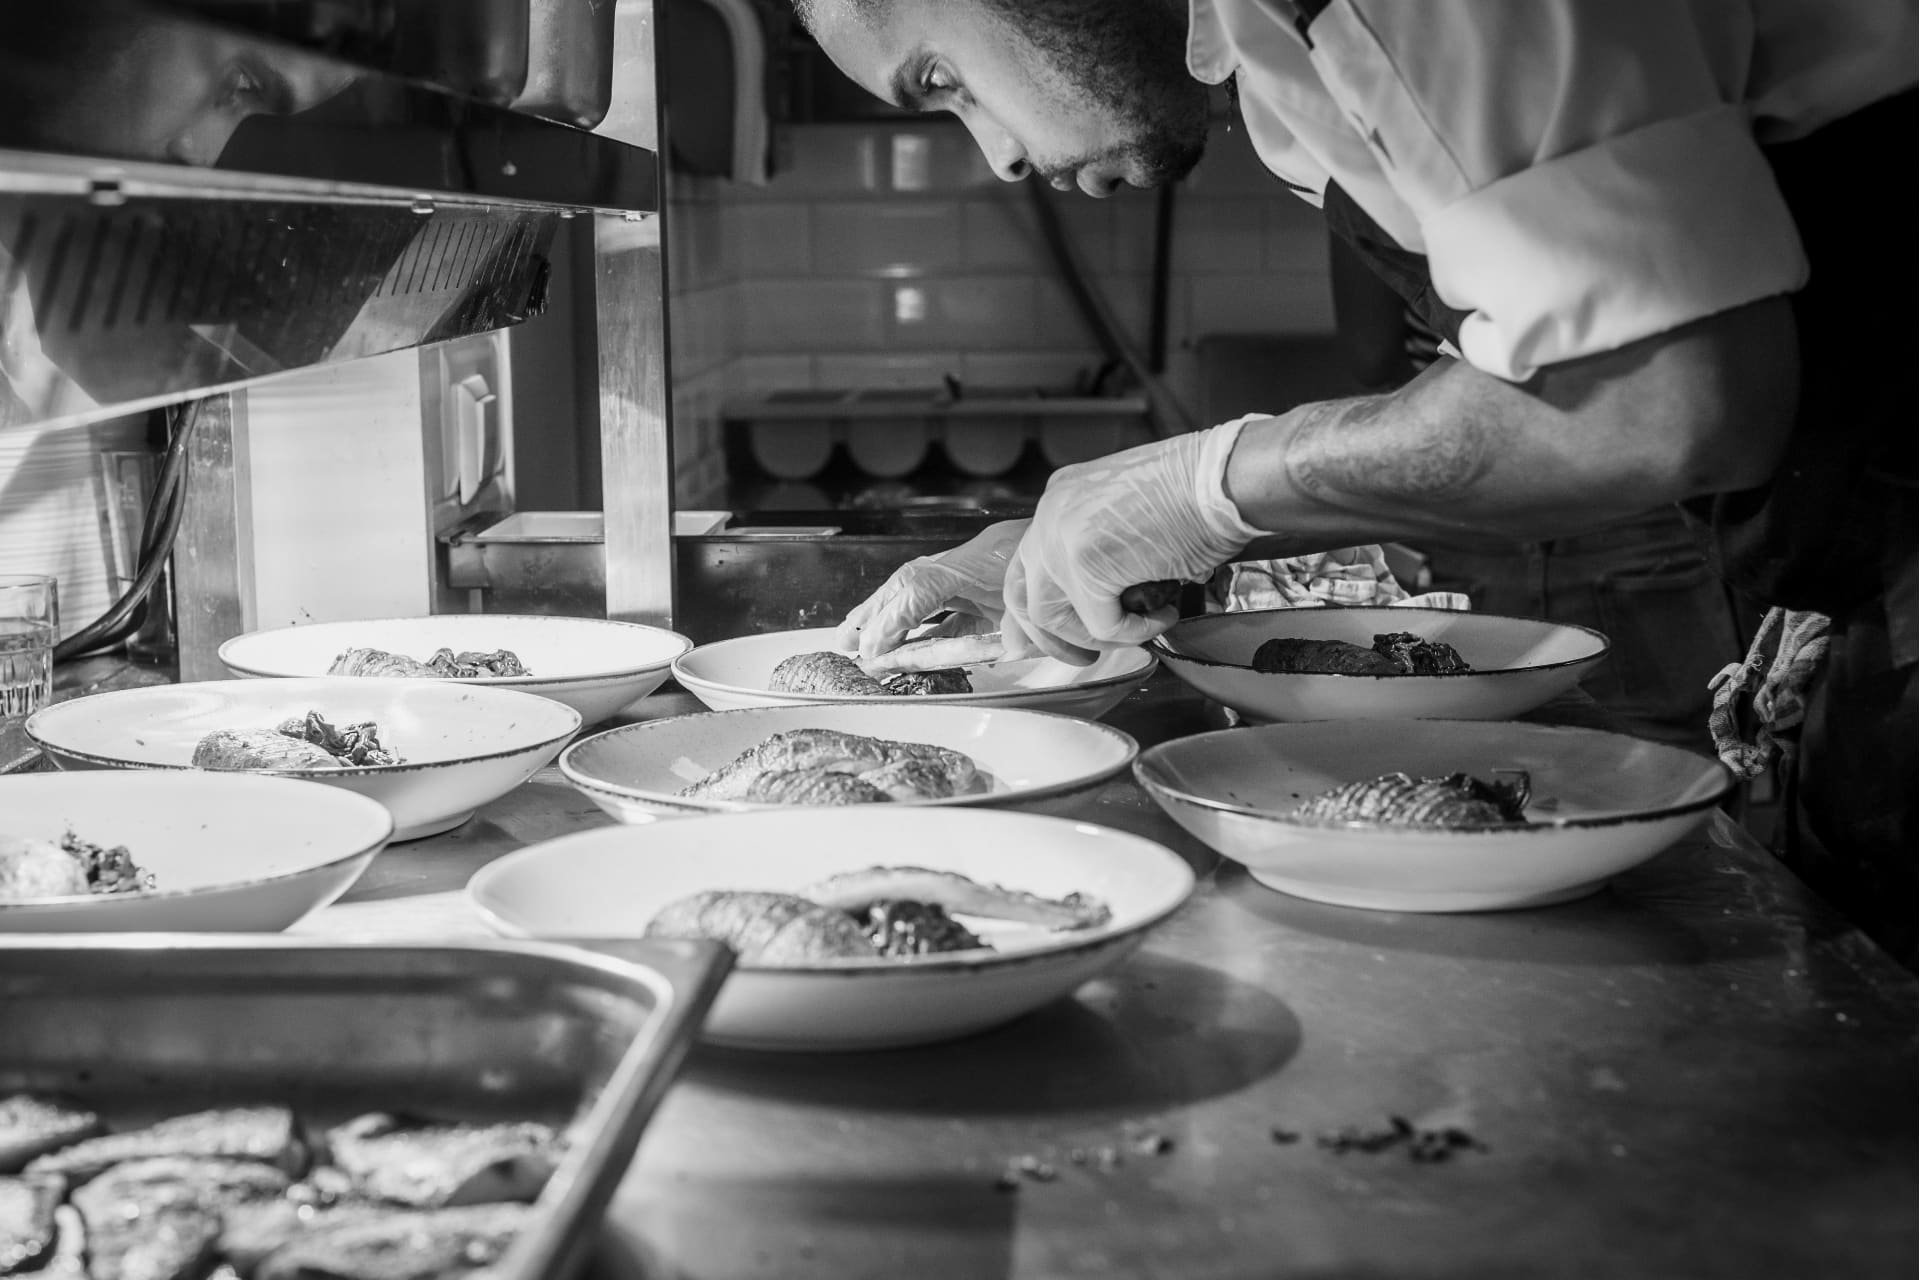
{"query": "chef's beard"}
pixel 1129 60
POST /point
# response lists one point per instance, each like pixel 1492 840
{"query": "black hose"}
pixel 165 510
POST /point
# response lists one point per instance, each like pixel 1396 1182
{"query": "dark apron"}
pixel 1834 530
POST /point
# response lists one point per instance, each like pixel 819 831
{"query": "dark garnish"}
pixel 357 744
pixel 905 928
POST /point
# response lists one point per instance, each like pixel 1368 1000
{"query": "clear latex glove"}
pixel 967 580
pixel 1157 512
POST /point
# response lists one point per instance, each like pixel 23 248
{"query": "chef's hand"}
pixel 967 581
pixel 1156 512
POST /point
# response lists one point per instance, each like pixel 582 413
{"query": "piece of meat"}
pixel 32 1125
pixel 431 1166
pixel 161 1219
pixel 854 890
pixel 28 1230
pixel 259 749
pixel 911 778
pixel 1401 800
pixel 264 1134
pixel 440 1244
pixel 916 684
pixel 1295 656
pixel 31 869
pixel 378 662
pixel 250 1233
pixel 824 672
pixel 1420 657
pixel 764 928
pixel 812 787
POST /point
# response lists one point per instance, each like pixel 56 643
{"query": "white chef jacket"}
pixel 1581 174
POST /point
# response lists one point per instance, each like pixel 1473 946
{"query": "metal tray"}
pixel 144 1025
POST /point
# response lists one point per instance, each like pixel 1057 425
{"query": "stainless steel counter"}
pixel 1698 1072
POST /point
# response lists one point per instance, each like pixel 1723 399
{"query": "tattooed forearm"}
pixel 1350 449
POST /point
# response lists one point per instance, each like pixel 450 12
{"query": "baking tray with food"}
pixel 304 1110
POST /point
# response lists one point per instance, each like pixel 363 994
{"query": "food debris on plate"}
pixel 445 664
pixel 239 1192
pixel 304 742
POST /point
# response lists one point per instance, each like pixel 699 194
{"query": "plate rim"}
pixel 1160 647
pixel 1076 941
pixel 162 895
pixel 1130 754
pixel 686 642
pixel 1342 830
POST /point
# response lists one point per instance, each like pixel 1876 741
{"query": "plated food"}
pixel 827 766
pixel 893 913
pixel 898 752
pixel 445 664
pixel 182 850
pixel 68 867
pixel 594 665
pixel 731 674
pixel 461 744
pixel 1436 815
pixel 1378 663
pixel 1053 902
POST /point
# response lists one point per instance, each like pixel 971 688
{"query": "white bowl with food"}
pixel 1056 903
pixel 1543 814
pixel 1329 667
pixel 594 665
pixel 740 673
pixel 109 852
pixel 845 753
pixel 458 746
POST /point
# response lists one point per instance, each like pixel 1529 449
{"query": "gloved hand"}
pixel 967 580
pixel 1159 511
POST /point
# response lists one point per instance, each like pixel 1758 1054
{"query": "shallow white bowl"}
pixel 232 852
pixel 1602 802
pixel 734 673
pixel 594 665
pixel 609 883
pixel 1026 756
pixel 462 745
pixel 1519 663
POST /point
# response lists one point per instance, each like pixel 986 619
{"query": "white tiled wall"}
pixel 888 255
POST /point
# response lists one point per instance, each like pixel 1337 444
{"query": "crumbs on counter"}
pixel 1423 1146
pixel 1105 1157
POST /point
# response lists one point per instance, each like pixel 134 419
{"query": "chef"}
pixel 1647 230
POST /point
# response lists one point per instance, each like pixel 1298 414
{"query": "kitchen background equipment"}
pixel 592 1037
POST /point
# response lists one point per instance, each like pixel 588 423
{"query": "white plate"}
pixel 1519 663
pixel 229 852
pixel 609 883
pixel 1602 802
pixel 634 771
pixel 594 665
pixel 462 745
pixel 734 673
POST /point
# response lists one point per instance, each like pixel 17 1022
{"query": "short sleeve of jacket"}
pixel 1583 173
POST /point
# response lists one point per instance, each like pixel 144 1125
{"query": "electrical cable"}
pixel 165 511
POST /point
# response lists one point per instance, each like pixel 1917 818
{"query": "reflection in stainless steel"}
pixel 212 556
pixel 635 445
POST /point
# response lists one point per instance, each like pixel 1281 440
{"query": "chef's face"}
pixel 175 93
pixel 1080 92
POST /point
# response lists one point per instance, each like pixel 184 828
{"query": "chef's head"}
pixel 1093 93
pixel 139 86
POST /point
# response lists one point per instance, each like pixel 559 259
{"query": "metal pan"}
pixel 144 1025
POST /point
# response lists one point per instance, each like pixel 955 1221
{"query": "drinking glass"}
pixel 29 626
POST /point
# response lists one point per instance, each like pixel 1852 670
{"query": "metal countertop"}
pixel 1700 1071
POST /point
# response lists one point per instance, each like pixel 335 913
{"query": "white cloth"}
pixel 1351 576
pixel 1581 174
